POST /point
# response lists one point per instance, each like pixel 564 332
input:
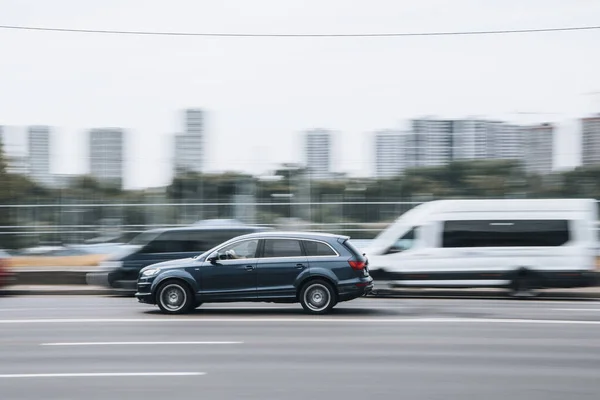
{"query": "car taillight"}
pixel 357 265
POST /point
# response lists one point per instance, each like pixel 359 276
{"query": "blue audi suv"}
pixel 318 270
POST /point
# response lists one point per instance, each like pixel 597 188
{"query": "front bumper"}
pixel 98 279
pixel 144 291
pixel 109 279
pixel 146 298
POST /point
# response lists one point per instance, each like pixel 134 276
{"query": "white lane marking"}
pixel 301 320
pixel 130 343
pixel 101 374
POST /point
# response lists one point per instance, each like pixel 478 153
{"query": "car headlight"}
pixel 150 272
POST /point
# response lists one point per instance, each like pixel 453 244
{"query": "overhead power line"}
pixel 298 35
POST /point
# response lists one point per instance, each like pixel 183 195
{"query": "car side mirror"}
pixel 213 257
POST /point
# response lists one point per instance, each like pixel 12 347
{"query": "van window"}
pixel 515 233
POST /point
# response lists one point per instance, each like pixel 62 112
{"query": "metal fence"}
pixel 34 224
pixel 27 225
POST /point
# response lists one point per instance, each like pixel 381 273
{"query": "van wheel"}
pixel 318 297
pixel 174 297
pixel 523 285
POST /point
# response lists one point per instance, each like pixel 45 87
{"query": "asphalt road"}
pixel 83 347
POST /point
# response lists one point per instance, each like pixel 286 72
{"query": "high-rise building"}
pixel 508 142
pixel 430 143
pixel 539 148
pixel 472 139
pixel 15 155
pixel 106 155
pixel 590 152
pixel 483 139
pixel 389 153
pixel 317 152
pixel 189 146
pixel 39 155
pixel 194 121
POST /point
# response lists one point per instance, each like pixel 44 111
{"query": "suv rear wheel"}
pixel 317 297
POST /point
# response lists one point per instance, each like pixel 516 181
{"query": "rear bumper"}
pixel 354 290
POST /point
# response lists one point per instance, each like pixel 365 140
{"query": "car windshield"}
pixel 143 238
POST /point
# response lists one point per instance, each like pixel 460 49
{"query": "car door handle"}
pixel 249 267
pixel 299 266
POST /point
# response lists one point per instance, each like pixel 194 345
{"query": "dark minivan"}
pixel 315 269
pixel 121 269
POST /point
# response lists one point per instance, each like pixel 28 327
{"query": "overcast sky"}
pixel 260 93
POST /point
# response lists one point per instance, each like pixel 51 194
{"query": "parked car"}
pixel 519 244
pixel 120 269
pixel 317 270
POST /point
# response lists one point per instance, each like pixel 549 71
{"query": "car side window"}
pixel 239 250
pixel 316 249
pixel 282 248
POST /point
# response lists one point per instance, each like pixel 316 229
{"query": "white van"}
pixel 517 244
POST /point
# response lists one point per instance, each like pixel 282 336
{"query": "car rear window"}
pixel 316 249
pixel 354 250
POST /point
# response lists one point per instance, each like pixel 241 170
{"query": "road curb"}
pixel 50 277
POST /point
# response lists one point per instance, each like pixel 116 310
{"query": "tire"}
pixel 524 285
pixel 317 297
pixel 174 297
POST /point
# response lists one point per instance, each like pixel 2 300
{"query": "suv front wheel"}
pixel 174 297
pixel 318 297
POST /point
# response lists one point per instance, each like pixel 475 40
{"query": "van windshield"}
pixel 403 224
